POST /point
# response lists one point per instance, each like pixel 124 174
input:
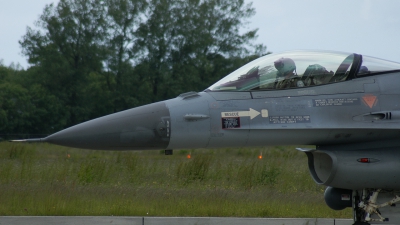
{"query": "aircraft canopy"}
pixel 297 69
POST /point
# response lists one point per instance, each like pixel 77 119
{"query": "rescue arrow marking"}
pixel 252 113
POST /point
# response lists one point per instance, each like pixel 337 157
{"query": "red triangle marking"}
pixel 369 100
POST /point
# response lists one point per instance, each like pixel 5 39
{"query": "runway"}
pixel 118 220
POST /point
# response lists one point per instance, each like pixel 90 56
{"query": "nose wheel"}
pixel 365 206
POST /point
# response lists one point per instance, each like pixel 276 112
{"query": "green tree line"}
pixel 89 58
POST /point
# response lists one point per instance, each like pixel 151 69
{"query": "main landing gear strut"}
pixel 365 206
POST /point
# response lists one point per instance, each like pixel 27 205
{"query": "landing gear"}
pixel 358 214
pixel 365 206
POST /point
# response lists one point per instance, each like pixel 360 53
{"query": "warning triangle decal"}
pixel 370 100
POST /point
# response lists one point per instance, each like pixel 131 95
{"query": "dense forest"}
pixel 89 58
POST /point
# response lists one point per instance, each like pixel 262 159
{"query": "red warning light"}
pixel 368 160
pixel 363 160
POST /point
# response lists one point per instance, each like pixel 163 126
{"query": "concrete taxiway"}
pixel 117 220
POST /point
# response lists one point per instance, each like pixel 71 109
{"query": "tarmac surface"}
pixel 117 220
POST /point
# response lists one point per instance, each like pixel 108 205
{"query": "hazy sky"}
pixel 360 26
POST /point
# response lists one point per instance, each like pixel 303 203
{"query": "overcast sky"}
pixel 357 26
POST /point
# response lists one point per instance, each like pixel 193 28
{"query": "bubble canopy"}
pixel 305 68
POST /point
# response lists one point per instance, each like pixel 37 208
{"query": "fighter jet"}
pixel 346 105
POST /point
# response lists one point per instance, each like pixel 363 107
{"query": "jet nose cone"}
pixel 141 128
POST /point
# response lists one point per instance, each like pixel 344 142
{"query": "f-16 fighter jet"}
pixel 346 105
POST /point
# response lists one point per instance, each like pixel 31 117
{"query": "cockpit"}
pixel 299 69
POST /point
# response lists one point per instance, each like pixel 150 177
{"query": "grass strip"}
pixel 43 179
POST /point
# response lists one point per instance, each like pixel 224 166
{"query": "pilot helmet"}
pixel 285 65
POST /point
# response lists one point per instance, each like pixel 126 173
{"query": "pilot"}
pixel 363 71
pixel 286 76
